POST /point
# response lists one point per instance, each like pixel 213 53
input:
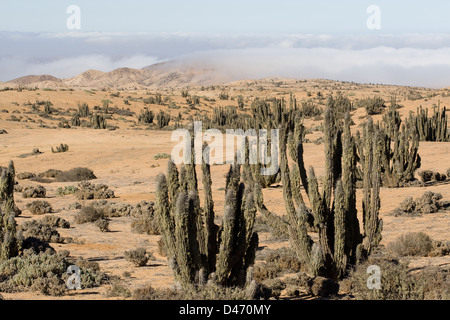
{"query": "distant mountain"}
pixel 29 80
pixel 167 74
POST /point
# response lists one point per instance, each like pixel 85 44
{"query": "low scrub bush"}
pixel 88 214
pixel 139 257
pixel 34 192
pixel 39 207
pixel 75 175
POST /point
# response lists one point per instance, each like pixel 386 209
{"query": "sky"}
pixel 395 42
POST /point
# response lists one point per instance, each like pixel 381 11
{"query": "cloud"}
pixel 14 67
pixel 417 60
pixel 405 66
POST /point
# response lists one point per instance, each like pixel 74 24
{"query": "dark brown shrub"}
pixel 412 244
pixel 139 257
pixel 76 174
pixel 39 207
pixel 88 214
pixel 34 192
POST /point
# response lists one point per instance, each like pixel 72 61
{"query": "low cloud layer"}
pixel 417 60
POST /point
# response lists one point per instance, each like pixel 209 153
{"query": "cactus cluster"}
pixel 333 212
pixel 199 250
pixel 433 128
pixel 399 150
pixel 98 121
pixel 9 243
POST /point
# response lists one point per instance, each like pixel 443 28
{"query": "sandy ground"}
pixel 124 160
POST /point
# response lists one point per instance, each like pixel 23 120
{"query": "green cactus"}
pixel 333 210
pixel 197 248
pixel 399 149
pixel 432 128
pixel 9 242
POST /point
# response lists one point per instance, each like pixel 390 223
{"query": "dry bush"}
pixel 276 263
pixel 25 175
pixel 39 230
pixel 412 244
pixel 88 214
pixel 429 175
pixel 34 192
pixel 76 174
pixel 428 203
pixel 139 257
pixel 210 291
pixel 398 282
pixel 50 173
pixel 113 209
pixel 102 224
pixel 118 289
pixel 56 222
pixel 67 190
pixel 39 207
pixel 88 191
pixel 145 220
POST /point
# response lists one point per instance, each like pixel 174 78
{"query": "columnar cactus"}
pixel 197 248
pixel 333 210
pixel 399 150
pixel 432 128
pixel 9 244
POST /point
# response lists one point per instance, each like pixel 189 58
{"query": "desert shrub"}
pixel 25 175
pixel 76 174
pixel 145 220
pixel 429 175
pixel 398 282
pixel 40 230
pixel 102 224
pixel 428 203
pixel 275 286
pixel 277 263
pixel 88 214
pixel 211 291
pixel 440 248
pixel 373 105
pixel 66 190
pixel 118 289
pixel 50 173
pixel 113 209
pixel 42 272
pixel 39 207
pixel 139 257
pixel 61 148
pixel 45 272
pixel 88 191
pixel 412 244
pixel 34 192
pixel 161 156
pixel 56 222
